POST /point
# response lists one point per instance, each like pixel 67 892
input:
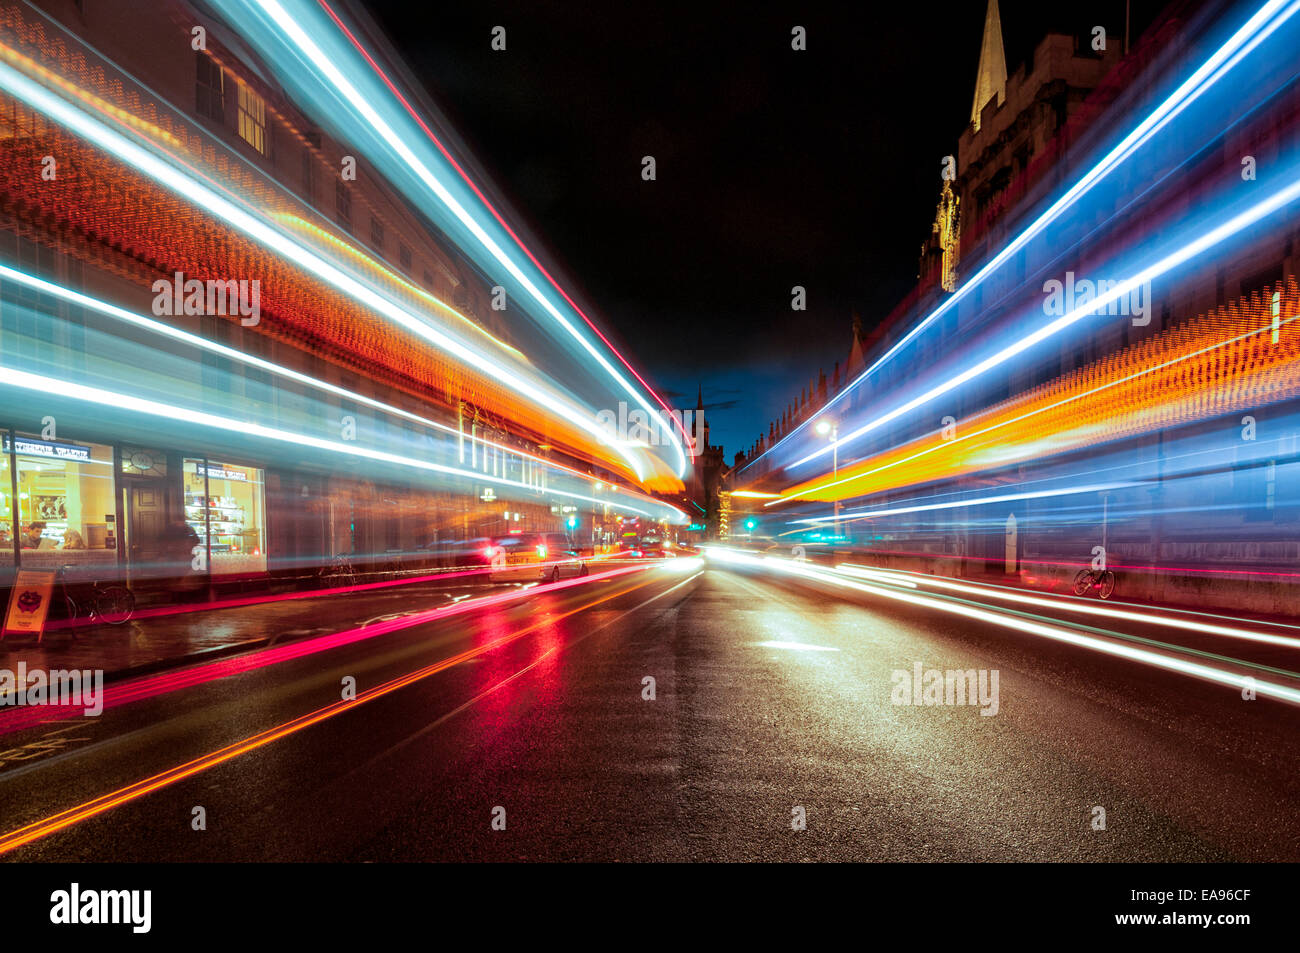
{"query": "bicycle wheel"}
pixel 71 605
pixel 1107 584
pixel 114 604
pixel 1082 582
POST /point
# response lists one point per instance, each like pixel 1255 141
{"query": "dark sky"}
pixel 775 168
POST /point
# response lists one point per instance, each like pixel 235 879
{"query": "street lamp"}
pixel 829 428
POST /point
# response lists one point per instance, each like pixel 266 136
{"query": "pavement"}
pixel 159 638
pixel 528 729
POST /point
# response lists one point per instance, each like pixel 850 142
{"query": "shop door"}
pixel 146 524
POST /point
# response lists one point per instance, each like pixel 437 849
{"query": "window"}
pixel 342 204
pixel 210 90
pixel 404 256
pixel 225 505
pixel 376 233
pixel 6 512
pixel 66 504
pixel 252 118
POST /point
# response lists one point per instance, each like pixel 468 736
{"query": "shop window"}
pixel 66 505
pixel 6 512
pixel 226 506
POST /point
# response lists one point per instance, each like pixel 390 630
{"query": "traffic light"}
pixel 751 524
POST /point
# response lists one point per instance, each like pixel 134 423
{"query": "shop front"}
pixel 190 518
pixel 225 506
pixel 57 505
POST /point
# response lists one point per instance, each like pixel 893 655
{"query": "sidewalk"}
pixel 156 639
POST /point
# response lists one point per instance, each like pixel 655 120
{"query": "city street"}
pixel 659 434
pixel 771 694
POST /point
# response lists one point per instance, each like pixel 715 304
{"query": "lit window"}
pixel 252 118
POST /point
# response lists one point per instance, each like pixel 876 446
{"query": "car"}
pixel 644 548
pixel 533 557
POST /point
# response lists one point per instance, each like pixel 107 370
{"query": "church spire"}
pixel 992 78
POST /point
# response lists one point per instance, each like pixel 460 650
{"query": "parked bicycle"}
pixel 92 601
pixel 1103 580
pixel 338 572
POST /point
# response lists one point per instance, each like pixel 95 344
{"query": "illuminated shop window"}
pixel 6 512
pixel 226 506
pixel 252 118
pixel 66 507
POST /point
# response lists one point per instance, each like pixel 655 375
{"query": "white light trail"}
pixel 1255 30
pixel 193 191
pixel 329 69
pixel 992 616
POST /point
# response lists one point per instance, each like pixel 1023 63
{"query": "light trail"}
pixel 152 686
pixel 1191 250
pixel 1067 604
pixel 1028 626
pixel 185 337
pixel 107 802
pixel 38 383
pixel 977 501
pixel 192 191
pixel 446 154
pixel 1266 20
pixel 1119 412
pixel 327 68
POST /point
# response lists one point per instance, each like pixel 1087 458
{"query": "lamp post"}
pixel 829 428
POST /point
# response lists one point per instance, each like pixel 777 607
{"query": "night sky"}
pixel 775 168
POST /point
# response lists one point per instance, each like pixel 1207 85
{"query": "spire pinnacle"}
pixel 992 77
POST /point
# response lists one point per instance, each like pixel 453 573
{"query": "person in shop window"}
pixel 32 535
pixel 182 541
pixel 72 540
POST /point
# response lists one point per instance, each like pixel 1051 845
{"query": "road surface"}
pixel 525 729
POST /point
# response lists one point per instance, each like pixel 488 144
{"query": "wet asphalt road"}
pixel 772 702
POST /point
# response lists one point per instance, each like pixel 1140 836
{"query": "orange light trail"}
pixel 1232 358
pixel 100 805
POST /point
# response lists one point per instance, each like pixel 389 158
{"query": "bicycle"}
pixel 109 603
pixel 1103 580
pixel 338 572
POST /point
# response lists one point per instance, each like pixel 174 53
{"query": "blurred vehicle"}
pixel 645 547
pixel 453 553
pixel 533 557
